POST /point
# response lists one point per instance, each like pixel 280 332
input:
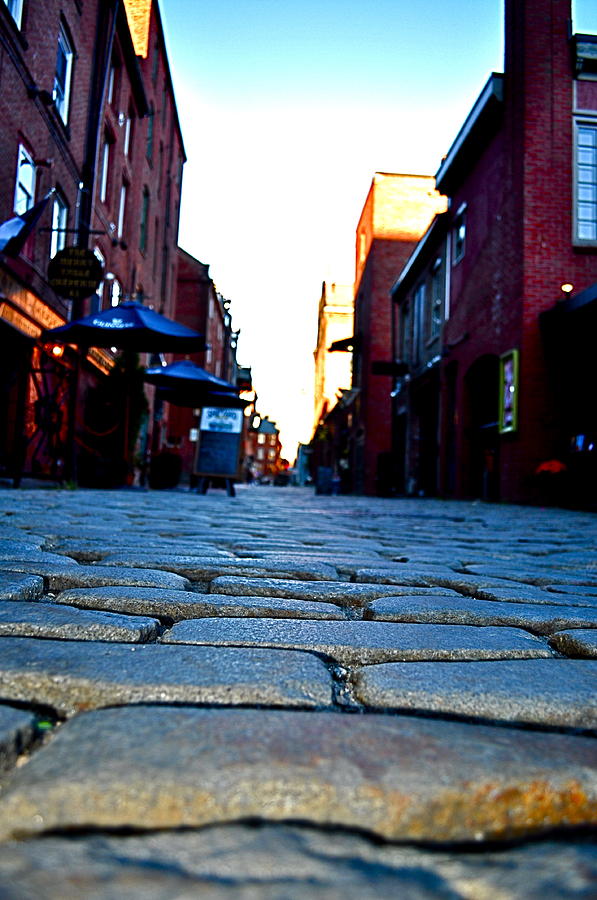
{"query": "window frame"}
pixel 122 201
pixel 589 123
pixel 27 190
pixel 60 211
pixel 62 103
pixel 459 229
pixel 15 11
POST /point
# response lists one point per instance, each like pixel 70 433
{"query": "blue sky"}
pixel 288 109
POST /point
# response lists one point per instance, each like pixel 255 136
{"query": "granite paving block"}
pixel 522 593
pixel 340 593
pixel 37 557
pixel 284 862
pixel 401 574
pixel 580 643
pixel 553 692
pixel 59 577
pixel 73 676
pixel 198 569
pixel 402 778
pixel 538 574
pixel 49 620
pixel 352 642
pixel 174 606
pixel 17 729
pixel 14 586
pixel 457 610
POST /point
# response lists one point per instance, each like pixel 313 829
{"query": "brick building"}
pixel 505 389
pixel 334 323
pixel 89 115
pixel 397 211
pixel 262 451
pixel 199 306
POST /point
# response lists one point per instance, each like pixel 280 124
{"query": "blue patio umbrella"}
pixel 187 376
pixel 199 398
pixel 129 326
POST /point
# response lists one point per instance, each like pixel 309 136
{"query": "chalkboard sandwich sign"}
pixel 219 444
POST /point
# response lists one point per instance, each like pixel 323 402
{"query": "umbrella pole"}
pixel 72 467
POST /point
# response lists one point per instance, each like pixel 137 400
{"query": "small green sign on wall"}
pixel 508 420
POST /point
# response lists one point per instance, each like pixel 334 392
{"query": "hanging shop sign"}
pixel 219 444
pixel 75 273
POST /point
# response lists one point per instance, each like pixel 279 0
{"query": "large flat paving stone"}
pixel 402 778
pixel 70 676
pixel 17 729
pixel 14 586
pixel 553 692
pixel 341 593
pixel 197 569
pixel 49 620
pixel 523 593
pixel 351 642
pixel 174 606
pixel 537 574
pixel 59 577
pixel 284 862
pixel 457 610
pixel 580 643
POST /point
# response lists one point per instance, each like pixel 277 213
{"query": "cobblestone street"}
pixel 284 695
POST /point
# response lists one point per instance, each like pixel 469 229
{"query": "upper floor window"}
pixel 105 167
pixel 59 224
pixel 121 211
pixel 15 8
pixel 437 299
pixel 143 228
pixel 149 145
pixel 585 205
pixel 63 76
pixel 418 321
pixel 24 182
pixel 459 233
pixel 128 133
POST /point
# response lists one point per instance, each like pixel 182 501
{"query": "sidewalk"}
pixel 283 695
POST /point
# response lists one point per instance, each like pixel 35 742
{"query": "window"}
pixel 585 206
pixel 155 63
pixel 111 80
pixel 459 233
pixel 24 182
pixel 437 299
pixel 105 168
pixel 144 221
pixel 63 76
pixel 121 212
pixel 261 439
pixel 149 147
pixel 15 8
pixel 418 321
pixel 115 292
pixel 128 133
pixel 59 224
pixel 100 288
pixel 405 332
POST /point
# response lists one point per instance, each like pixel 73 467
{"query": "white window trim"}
pixel 15 8
pixel 121 212
pixel 105 170
pixel 24 187
pixel 63 104
pixel 581 122
pixel 461 214
pixel 59 224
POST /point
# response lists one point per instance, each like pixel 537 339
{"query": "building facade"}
pixel 504 400
pixel 90 124
pixel 397 211
pixel 335 322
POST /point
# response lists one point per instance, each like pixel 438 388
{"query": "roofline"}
pixel 493 90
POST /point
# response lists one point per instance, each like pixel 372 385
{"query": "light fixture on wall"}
pixel 566 288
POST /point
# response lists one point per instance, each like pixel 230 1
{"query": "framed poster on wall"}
pixel 508 418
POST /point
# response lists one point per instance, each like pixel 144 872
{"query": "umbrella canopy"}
pixel 187 376
pixel 201 398
pixel 129 326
